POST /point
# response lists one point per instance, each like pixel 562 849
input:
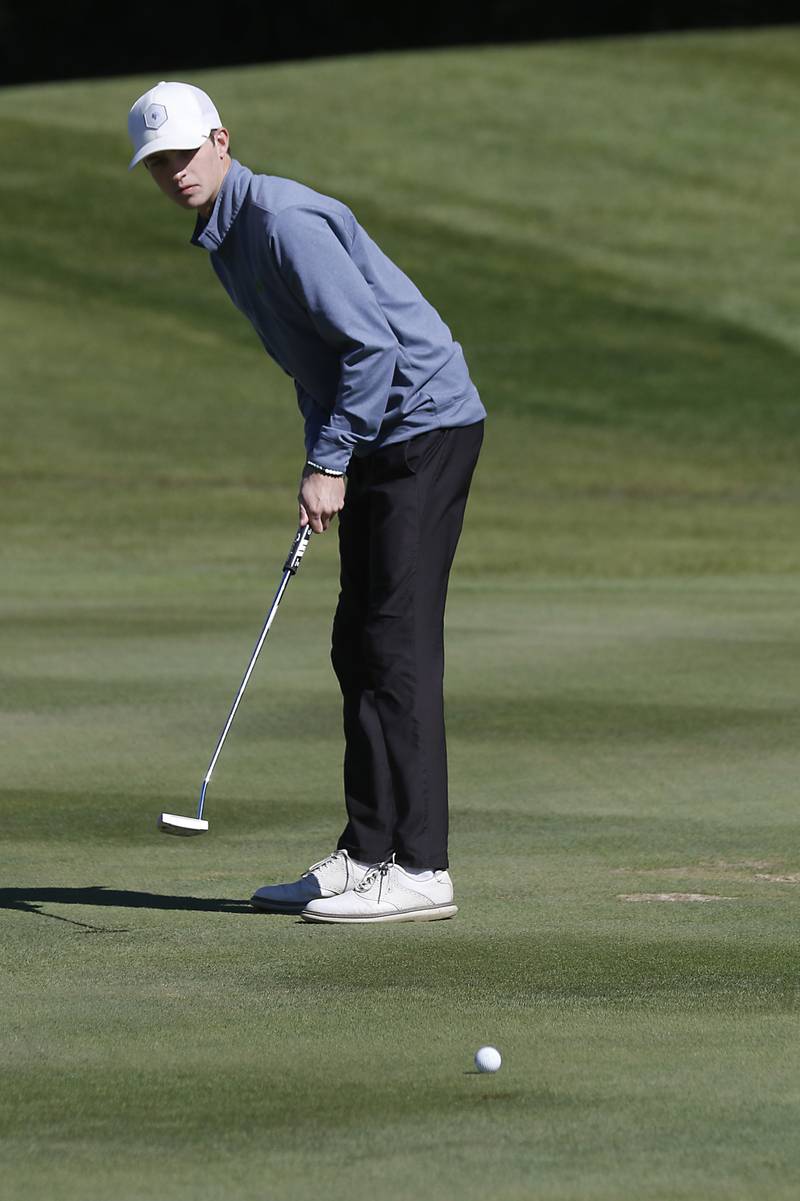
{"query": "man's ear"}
pixel 222 142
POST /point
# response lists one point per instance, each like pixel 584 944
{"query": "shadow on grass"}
pixel 30 900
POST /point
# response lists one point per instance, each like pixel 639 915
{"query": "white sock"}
pixel 419 873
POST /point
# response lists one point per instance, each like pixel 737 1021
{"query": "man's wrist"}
pixel 320 470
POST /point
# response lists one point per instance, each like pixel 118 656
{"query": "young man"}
pixel 390 412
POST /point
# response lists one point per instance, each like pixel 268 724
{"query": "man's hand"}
pixel 321 498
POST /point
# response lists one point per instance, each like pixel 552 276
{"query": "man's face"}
pixel 192 178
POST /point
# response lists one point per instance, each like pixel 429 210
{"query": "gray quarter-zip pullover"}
pixel 372 360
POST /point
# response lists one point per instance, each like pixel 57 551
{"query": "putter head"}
pixel 172 823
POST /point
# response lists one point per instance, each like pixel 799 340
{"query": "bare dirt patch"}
pixel 791 878
pixel 745 870
pixel 680 897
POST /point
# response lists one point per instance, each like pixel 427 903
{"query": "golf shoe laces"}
pixel 379 872
pixel 324 862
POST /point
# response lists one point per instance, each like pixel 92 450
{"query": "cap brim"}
pixel 162 144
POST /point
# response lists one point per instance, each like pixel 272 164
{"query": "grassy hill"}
pixel 610 230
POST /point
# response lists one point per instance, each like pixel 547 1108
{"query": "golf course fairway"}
pixel 611 231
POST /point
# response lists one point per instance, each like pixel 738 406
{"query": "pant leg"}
pixel 410 509
pixel 369 833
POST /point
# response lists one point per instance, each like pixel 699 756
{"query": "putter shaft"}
pixel 289 569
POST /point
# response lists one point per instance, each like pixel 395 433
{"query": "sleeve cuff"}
pixel 330 454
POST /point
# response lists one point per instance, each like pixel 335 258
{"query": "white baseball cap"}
pixel 171 116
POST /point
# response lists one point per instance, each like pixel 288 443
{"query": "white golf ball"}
pixel 488 1059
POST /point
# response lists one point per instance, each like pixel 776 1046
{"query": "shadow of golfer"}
pixel 30 900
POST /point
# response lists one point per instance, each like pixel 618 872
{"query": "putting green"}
pixel 609 229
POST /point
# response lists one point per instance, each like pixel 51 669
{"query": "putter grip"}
pixel 299 545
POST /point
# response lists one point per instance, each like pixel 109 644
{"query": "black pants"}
pixel 398 533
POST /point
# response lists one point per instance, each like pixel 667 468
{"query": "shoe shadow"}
pixel 30 900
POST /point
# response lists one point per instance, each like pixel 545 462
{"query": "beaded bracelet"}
pixel 337 475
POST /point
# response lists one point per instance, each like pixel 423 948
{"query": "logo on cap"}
pixel 155 116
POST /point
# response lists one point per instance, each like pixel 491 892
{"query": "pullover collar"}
pixel 230 198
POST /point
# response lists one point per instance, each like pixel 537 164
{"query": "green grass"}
pixel 610 230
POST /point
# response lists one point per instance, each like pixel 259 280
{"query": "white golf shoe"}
pixel 387 893
pixel 331 876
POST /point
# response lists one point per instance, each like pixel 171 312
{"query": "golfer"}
pixel 393 429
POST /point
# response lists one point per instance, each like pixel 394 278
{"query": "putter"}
pixel 173 823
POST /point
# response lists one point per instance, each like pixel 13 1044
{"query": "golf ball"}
pixel 487 1059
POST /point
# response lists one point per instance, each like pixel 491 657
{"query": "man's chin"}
pixel 193 199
